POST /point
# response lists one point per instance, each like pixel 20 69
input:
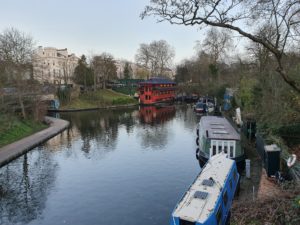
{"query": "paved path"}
pixel 14 150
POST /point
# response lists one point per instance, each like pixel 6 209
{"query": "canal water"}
pixel 128 167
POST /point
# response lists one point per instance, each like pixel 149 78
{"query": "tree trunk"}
pixel 95 79
pixel 22 106
pixel 85 82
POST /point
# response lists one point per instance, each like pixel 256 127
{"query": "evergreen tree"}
pixel 83 75
pixel 127 71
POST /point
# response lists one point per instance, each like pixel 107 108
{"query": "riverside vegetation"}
pixel 13 128
pixel 100 98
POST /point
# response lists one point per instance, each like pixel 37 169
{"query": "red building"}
pixel 156 90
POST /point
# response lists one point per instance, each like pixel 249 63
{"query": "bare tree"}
pixel 239 16
pixel 156 57
pixel 216 44
pixel 259 54
pixel 104 69
pixel 16 50
pixel 143 56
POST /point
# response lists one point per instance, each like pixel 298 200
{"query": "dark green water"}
pixel 126 167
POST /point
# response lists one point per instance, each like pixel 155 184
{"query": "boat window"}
pixel 220 148
pixel 231 152
pixel 214 150
pixel 225 147
pixel 225 198
pixel 219 215
pixel 231 149
pixel 213 147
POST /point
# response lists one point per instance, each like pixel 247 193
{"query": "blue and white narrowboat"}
pixel 209 198
pixel 216 135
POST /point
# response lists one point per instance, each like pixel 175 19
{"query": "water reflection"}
pixel 24 187
pixel 156 114
pixel 94 128
pixel 154 121
pixel 106 159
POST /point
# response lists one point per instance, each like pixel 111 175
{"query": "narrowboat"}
pixel 156 90
pixel 216 135
pixel 200 107
pixel 208 200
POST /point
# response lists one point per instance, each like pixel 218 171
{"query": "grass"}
pixel 13 129
pixel 100 98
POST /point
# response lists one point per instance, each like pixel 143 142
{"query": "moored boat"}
pixel 156 90
pixel 209 198
pixel 216 135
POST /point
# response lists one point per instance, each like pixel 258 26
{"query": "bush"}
pixel 123 101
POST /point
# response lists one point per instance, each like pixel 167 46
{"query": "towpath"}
pixel 14 150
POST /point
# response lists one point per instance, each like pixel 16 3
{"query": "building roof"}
pixel 157 80
pixel 216 127
pixel 200 200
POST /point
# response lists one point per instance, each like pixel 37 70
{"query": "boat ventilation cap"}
pixel 201 195
pixel 208 182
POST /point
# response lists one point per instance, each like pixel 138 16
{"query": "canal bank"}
pixel 16 149
pixel 94 108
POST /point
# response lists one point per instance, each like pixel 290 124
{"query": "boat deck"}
pixel 200 200
pixel 218 128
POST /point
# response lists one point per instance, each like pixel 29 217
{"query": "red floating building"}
pixel 156 90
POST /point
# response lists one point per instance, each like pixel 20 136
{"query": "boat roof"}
pixel 217 127
pixel 200 200
pixel 157 80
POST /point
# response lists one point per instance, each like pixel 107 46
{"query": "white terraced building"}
pixel 54 66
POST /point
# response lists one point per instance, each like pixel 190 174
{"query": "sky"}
pixel 95 26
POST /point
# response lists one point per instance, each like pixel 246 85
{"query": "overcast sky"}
pixel 85 26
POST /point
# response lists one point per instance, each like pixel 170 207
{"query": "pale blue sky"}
pixel 97 26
